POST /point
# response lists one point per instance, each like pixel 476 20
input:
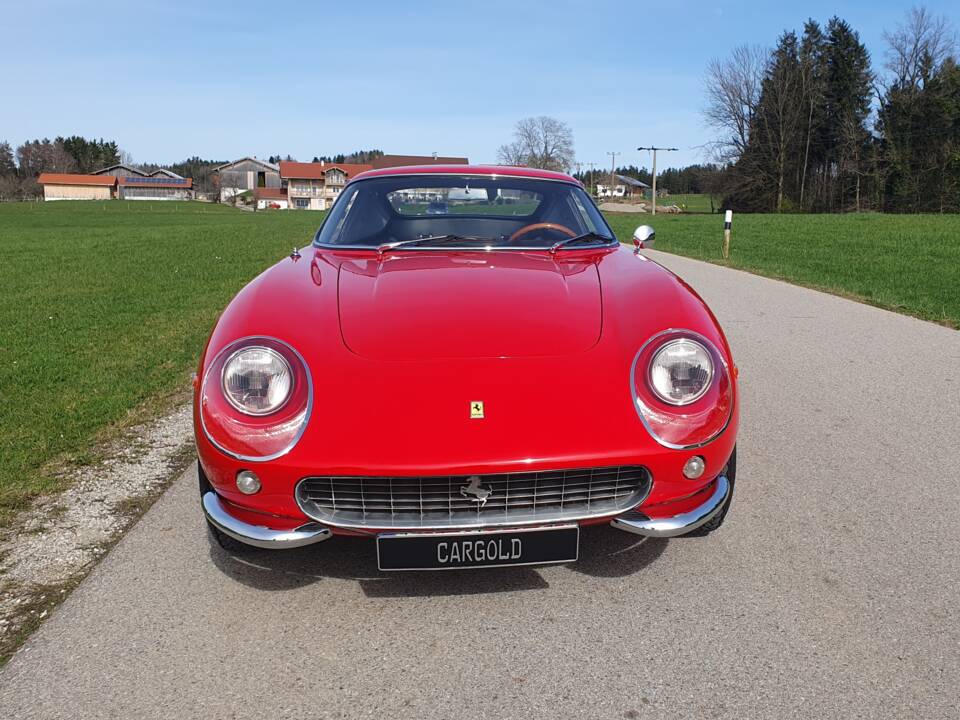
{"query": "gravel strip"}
pixel 51 546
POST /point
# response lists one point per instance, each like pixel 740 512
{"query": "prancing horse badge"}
pixel 476 410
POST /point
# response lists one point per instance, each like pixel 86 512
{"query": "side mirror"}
pixel 643 236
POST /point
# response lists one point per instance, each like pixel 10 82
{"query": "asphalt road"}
pixel 832 590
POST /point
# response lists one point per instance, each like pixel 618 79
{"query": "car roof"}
pixel 488 170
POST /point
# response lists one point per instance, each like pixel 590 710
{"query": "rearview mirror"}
pixel 643 236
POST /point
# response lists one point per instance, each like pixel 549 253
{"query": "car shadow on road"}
pixel 604 552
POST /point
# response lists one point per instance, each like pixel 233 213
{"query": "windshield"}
pixel 424 211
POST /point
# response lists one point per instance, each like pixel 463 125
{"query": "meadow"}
pixel 906 263
pixel 689 203
pixel 105 306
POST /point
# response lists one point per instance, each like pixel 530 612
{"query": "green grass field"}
pixel 907 263
pixel 105 306
pixel 689 203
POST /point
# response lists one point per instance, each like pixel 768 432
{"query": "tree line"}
pixel 810 126
pixel 19 168
pixel 360 157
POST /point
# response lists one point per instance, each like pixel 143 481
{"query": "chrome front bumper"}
pixel 257 535
pixel 681 524
pixel 312 532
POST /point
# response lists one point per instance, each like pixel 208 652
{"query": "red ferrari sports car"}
pixel 467 366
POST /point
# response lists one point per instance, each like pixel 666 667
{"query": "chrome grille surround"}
pixel 436 502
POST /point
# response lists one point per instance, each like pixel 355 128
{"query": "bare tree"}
pixel 9 187
pixel 732 89
pixel 918 47
pixel 44 156
pixel 541 142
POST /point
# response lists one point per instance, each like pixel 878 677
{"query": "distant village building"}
pixel 163 172
pixel 68 186
pixel 105 185
pixel 625 187
pixel 386 161
pixel 246 174
pixel 271 198
pixel 314 186
pixel 121 170
pixel 154 187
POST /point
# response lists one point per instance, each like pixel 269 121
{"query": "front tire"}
pixel 730 470
pixel 234 547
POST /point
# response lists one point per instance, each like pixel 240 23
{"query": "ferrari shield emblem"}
pixel 476 410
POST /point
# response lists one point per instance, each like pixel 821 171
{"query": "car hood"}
pixel 431 305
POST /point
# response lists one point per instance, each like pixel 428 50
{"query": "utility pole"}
pixel 654 151
pixel 613 162
pixel 591 164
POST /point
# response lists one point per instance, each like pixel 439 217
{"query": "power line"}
pixel 654 151
pixel 613 160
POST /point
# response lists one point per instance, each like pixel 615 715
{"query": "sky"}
pixel 169 80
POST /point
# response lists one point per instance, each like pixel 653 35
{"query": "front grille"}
pixel 453 501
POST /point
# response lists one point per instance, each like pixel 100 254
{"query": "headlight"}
pixel 681 372
pixel 255 398
pixel 683 389
pixel 257 380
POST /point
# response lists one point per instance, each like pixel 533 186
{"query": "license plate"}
pixel 448 551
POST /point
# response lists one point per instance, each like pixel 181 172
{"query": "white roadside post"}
pixel 727 222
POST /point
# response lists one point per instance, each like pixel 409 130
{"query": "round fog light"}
pixel 247 482
pixel 694 467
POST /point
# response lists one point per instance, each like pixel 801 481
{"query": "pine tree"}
pixel 848 90
pixel 813 80
pixel 919 118
pixel 8 168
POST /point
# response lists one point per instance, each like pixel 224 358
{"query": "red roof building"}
pixel 73 179
pixel 271 193
pixel 314 186
pixel 271 198
pixel 317 170
pixel 69 186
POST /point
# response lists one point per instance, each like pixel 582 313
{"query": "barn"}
pixel 163 172
pixel 158 187
pixel 66 186
pixel 246 174
pixel 119 170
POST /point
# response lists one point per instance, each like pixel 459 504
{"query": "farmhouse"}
pixel 155 187
pixel 65 186
pixel 314 186
pixel 246 174
pixel 386 161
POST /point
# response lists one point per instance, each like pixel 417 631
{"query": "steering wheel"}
pixel 543 226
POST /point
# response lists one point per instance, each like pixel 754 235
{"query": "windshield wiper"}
pixel 589 236
pixel 431 238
